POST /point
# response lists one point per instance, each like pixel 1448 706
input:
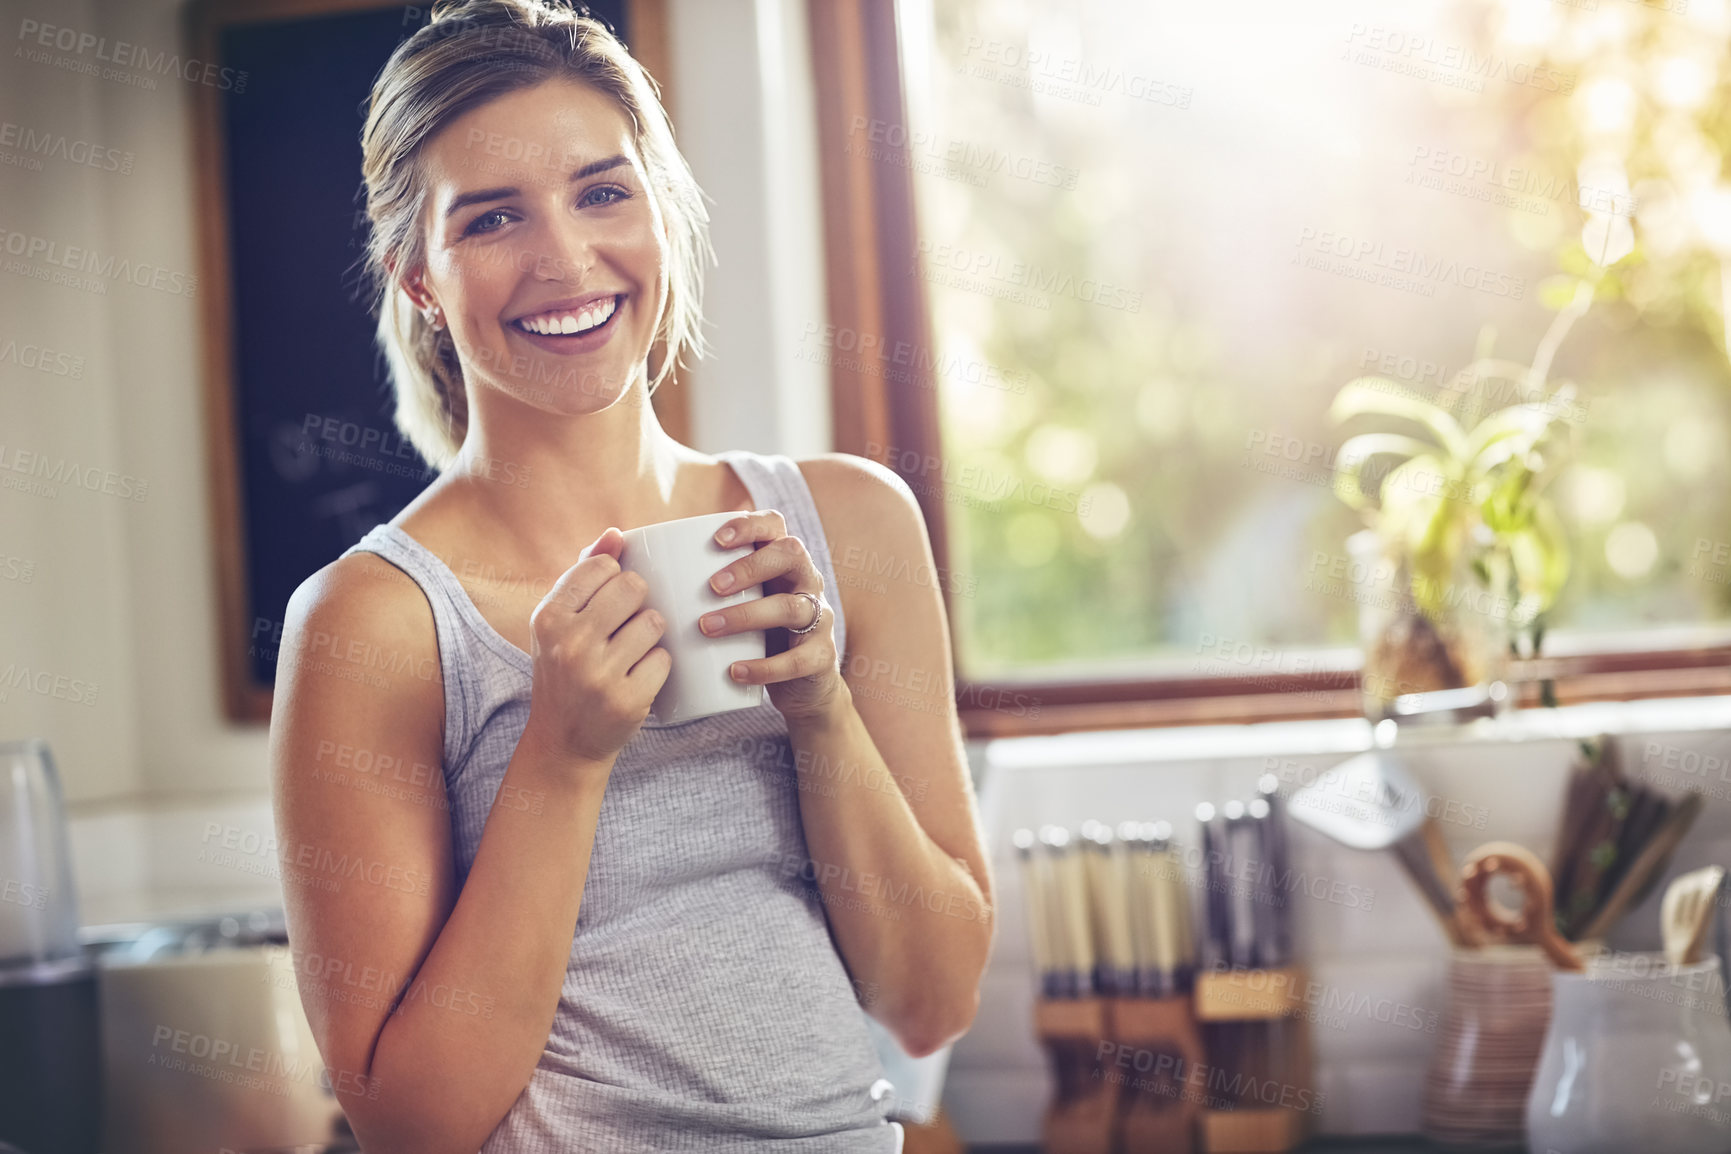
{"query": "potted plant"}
pixel 1464 552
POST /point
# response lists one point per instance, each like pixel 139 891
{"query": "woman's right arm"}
pixel 368 874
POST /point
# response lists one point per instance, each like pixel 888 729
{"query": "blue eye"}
pixel 617 194
pixel 601 195
pixel 475 225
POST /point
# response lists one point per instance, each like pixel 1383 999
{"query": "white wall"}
pixel 77 615
pixel 743 108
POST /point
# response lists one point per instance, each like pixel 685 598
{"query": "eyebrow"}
pixel 482 195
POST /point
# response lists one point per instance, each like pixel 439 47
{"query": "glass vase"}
pixel 1450 658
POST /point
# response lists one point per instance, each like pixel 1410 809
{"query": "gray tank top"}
pixel 704 1006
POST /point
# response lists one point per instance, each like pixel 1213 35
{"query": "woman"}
pixel 524 915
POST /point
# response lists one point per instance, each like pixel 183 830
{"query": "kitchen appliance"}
pixel 49 1070
pixel 204 1042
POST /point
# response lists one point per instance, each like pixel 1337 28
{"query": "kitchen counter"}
pixel 1394 1144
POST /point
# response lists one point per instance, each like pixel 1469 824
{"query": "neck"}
pixel 548 480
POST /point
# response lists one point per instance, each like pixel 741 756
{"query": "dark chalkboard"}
pixel 305 456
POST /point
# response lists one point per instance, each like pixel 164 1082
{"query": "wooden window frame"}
pixel 870 229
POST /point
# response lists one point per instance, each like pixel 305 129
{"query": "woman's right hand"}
pixel 597 665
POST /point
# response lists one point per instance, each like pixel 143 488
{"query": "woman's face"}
pixel 545 250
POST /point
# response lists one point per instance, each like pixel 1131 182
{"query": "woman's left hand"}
pixel 804 678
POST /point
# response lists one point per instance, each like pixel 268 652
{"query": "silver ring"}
pixel 816 612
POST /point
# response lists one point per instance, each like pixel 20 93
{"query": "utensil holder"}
pixel 1636 1057
pixel 1082 1118
pixel 1493 1032
pixel 1255 1033
pixel 1157 1109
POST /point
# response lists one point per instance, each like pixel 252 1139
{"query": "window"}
pixel 1157 238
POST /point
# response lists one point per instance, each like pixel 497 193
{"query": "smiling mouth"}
pixel 591 318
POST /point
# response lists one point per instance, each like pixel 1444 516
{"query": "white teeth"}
pixel 555 324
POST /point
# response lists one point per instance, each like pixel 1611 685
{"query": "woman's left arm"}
pixel 885 797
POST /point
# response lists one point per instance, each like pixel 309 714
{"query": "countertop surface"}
pixel 1393 1144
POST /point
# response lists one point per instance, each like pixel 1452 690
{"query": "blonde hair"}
pixel 471 52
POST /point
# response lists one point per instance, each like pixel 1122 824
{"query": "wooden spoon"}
pixel 1686 913
pixel 1534 922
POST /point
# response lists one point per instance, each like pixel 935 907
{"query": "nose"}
pixel 564 250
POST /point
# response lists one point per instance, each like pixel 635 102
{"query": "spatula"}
pixel 1371 802
pixel 1687 911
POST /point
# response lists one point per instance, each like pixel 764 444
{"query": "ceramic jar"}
pixel 1499 1003
pixel 1637 1058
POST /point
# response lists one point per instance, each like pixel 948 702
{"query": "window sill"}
pixel 1022 709
pixel 1353 735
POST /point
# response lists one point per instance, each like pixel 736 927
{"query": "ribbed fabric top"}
pixel 704 1006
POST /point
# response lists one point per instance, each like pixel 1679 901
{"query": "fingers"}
pixel 594 590
pixel 797 661
pixel 782 556
pixel 611 542
pixel 779 610
pixel 615 602
pixel 636 637
pixel 747 528
pixel 578 584
pixel 652 667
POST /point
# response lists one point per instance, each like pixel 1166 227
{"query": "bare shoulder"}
pixel 868 504
pixel 362 589
pixel 359 635
pixel 876 535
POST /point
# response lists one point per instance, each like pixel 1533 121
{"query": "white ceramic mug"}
pixel 678 558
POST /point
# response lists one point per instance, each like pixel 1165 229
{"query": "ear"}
pixel 413 282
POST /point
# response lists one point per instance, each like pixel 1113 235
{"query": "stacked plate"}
pixel 1475 1095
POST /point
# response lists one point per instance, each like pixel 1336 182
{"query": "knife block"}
pixel 1121 1065
pixel 1157 1109
pixel 1256 1037
pixel 1082 1118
